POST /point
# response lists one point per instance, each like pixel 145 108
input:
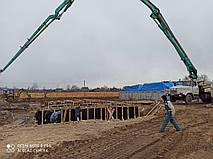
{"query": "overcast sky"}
pixel 105 42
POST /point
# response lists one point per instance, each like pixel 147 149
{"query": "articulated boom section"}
pixel 57 16
pixel 156 15
pixel 161 22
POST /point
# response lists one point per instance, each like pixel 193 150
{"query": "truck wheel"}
pixel 173 99
pixel 212 100
pixel 206 97
pixel 188 99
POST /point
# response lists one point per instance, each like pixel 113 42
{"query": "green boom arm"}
pixel 161 22
pixel 57 16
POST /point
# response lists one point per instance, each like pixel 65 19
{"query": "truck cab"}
pixel 184 90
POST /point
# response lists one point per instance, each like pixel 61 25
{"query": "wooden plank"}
pixel 122 112
pixel 81 115
pixel 156 110
pixel 127 113
pixel 152 109
pixel 65 114
pixel 61 116
pixel 101 113
pixel 70 108
pixel 87 113
pixel 110 112
pixel 134 112
pixel 42 117
pixel 116 112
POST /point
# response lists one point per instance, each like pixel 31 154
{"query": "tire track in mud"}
pixel 113 141
pixel 143 148
pixel 172 144
pixel 175 140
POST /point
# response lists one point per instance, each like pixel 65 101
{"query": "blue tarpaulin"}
pixel 133 88
pixel 156 86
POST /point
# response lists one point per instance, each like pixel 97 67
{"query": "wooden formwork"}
pixel 67 115
pixel 93 110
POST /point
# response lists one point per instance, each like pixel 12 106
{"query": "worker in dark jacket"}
pixel 48 115
pixel 38 117
pixel 77 113
pixel 170 111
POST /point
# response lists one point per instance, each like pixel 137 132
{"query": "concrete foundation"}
pixel 141 95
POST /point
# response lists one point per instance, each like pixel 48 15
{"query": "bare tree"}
pixel 203 77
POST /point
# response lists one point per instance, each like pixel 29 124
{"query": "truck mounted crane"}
pixel 205 91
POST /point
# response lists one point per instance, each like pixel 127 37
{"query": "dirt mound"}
pixel 6 116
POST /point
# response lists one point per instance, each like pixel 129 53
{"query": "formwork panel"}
pixel 39 118
pixel 73 118
pixel 103 114
pixel 84 114
pixel 91 113
pixel 97 113
pixel 131 112
pixel 136 112
pixel 119 113
pixel 114 113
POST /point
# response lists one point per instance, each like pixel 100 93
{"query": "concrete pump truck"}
pixel 205 90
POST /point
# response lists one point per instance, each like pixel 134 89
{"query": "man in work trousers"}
pixel 48 115
pixel 77 113
pixel 170 111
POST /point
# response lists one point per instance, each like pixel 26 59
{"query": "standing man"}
pixel 48 115
pixel 77 113
pixel 38 117
pixel 170 112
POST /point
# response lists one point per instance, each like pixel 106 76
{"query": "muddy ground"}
pixel 135 138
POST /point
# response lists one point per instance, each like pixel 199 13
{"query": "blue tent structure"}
pixel 156 86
